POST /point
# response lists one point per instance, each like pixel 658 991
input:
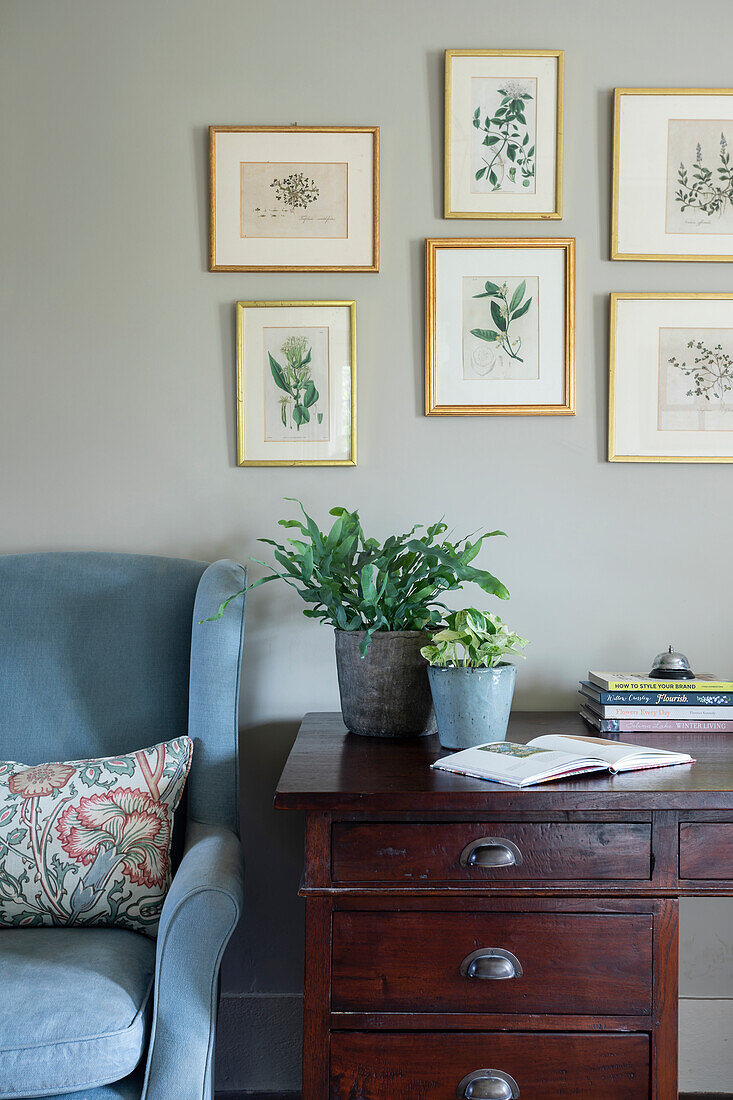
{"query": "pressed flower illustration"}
pixel 710 370
pixel 508 149
pixel 705 189
pixel 297 190
pixel 295 379
pixel 292 199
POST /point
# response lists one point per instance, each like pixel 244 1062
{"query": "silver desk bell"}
pixel 670 665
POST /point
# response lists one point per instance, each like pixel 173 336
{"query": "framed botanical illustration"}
pixel 500 327
pixel 296 383
pixel 503 133
pixel 671 378
pixel 672 174
pixel 294 198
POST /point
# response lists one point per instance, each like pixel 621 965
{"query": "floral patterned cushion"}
pixel 89 841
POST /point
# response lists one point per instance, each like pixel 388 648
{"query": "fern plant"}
pixel 357 583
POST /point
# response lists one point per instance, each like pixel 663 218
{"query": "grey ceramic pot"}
pixel 472 705
pixel 386 693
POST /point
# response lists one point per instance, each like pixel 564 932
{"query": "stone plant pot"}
pixel 472 705
pixel 386 693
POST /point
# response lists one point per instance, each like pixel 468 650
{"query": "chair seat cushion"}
pixel 129 1089
pixel 75 1007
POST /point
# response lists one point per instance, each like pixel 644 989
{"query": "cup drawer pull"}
pixel 491 851
pixel 491 964
pixel 487 1084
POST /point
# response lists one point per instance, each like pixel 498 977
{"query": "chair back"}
pixel 96 660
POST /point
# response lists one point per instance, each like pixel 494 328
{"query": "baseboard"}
pixel 296 1096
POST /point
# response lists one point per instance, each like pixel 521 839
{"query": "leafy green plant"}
pixel 506 138
pixel 503 313
pixel 473 639
pixel 295 380
pixel 357 583
pixel 711 371
pixel 702 189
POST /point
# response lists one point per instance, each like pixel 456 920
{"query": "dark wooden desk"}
pixel 465 939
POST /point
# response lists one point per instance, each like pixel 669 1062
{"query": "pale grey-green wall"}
pixel 116 404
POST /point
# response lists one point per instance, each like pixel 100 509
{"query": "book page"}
pixel 615 753
pixel 516 764
pixel 598 747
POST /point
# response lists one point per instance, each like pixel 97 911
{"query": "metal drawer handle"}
pixel 491 964
pixel 491 851
pixel 488 1084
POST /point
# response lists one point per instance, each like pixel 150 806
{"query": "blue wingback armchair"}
pixel 102 654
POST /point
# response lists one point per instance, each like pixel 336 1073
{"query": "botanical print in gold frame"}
pixel 294 198
pixel 500 326
pixel 296 383
pixel 671 377
pixel 503 133
pixel 672 181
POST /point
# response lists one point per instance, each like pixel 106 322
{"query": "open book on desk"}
pixel 553 756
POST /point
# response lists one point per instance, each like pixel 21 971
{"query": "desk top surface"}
pixel 332 769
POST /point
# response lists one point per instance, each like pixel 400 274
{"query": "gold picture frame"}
pixel 368 192
pixel 566 407
pixel 616 253
pixel 243 455
pixel 555 210
pixel 624 296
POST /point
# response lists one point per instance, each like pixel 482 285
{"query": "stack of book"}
pixel 616 703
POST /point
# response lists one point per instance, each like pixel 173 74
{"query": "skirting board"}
pixel 295 1096
pixel 706 1047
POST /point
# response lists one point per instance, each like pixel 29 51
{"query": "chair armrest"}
pixel 213 701
pixel 199 915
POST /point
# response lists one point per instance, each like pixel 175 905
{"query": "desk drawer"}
pixel 489 851
pixel 398 1066
pixel 564 963
pixel 706 850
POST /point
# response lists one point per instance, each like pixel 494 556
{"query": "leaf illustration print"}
pixel 708 190
pixel 504 135
pixel 500 328
pixel 709 370
pixel 294 378
pixel 699 176
pixel 504 313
